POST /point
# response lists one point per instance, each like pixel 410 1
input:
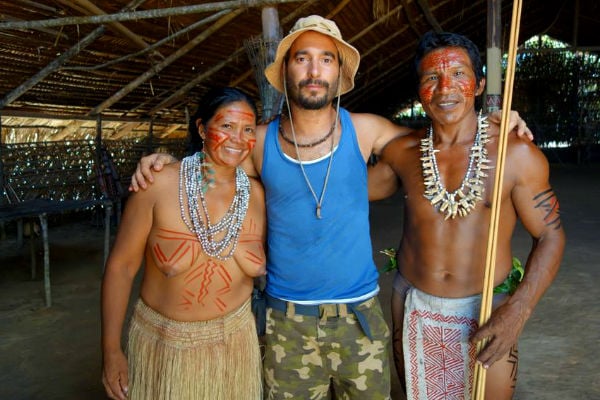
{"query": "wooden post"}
pixel 270 23
pixel 493 98
pixel 99 139
pixel 1 161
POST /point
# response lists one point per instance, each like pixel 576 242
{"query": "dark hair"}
pixel 208 106
pixel 435 40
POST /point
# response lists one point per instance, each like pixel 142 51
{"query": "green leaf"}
pixel 392 264
pixel 513 279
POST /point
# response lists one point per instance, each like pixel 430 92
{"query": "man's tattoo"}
pixel 513 358
pixel 548 202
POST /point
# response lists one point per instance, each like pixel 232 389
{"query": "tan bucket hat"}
pixel 349 56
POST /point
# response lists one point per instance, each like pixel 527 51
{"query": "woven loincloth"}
pixel 438 357
pixel 217 359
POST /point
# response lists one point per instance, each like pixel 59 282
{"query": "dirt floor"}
pixel 54 353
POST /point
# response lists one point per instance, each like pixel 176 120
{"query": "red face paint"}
pixel 445 70
pixel 216 137
pixel 229 122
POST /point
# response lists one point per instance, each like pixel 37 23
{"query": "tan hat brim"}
pixel 349 56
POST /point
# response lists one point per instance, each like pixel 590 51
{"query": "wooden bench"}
pixel 45 178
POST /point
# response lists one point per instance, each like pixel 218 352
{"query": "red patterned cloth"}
pixel 438 357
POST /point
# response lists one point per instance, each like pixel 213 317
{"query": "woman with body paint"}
pixel 200 229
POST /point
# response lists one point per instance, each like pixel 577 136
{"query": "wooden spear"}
pixel 479 375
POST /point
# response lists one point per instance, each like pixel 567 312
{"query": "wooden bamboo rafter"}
pixel 479 374
pixel 429 15
pixel 381 80
pixel 51 67
pixel 118 27
pixel 136 15
pixel 152 71
pixel 411 19
pixel 181 92
pixel 167 61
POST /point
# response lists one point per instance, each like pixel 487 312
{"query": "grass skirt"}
pixel 217 359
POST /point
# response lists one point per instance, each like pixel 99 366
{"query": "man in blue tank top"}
pixel 325 330
pixel 325 326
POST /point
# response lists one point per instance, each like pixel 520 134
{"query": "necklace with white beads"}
pixel 218 240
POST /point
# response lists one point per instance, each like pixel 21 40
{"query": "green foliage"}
pixel 392 264
pixel 509 285
pixel 556 91
pixel 513 279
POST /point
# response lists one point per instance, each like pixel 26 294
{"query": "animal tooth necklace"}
pixel 463 200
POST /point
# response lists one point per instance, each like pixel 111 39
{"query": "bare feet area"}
pixel 54 353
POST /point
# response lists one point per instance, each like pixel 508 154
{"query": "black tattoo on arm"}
pixel 513 359
pixel 548 202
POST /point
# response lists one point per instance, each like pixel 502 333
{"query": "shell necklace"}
pixel 461 201
pixel 218 240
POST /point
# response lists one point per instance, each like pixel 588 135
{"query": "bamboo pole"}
pixel 51 67
pixel 479 374
pixel 429 15
pixel 378 81
pixel 182 91
pixel 493 81
pixel 117 26
pixel 136 15
pixel 155 69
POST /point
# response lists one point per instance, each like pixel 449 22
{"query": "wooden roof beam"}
pixel 166 62
pixel 181 92
pixel 429 15
pixel 51 32
pixel 146 14
pixel 288 18
pixel 382 77
pixel 411 20
pixel 118 27
pixel 375 24
pixel 37 5
pixel 52 66
pixel 151 72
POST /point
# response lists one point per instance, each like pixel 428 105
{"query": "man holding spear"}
pixel 447 175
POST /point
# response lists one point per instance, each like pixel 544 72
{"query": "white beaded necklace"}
pixel 228 228
pixel 461 201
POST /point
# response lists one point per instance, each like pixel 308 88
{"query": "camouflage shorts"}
pixel 306 355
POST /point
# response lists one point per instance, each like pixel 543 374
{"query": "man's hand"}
pixel 114 376
pixel 502 331
pixel 143 173
pixel 515 122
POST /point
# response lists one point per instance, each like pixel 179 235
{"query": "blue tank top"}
pixel 310 259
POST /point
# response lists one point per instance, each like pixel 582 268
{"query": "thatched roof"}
pixel 82 58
